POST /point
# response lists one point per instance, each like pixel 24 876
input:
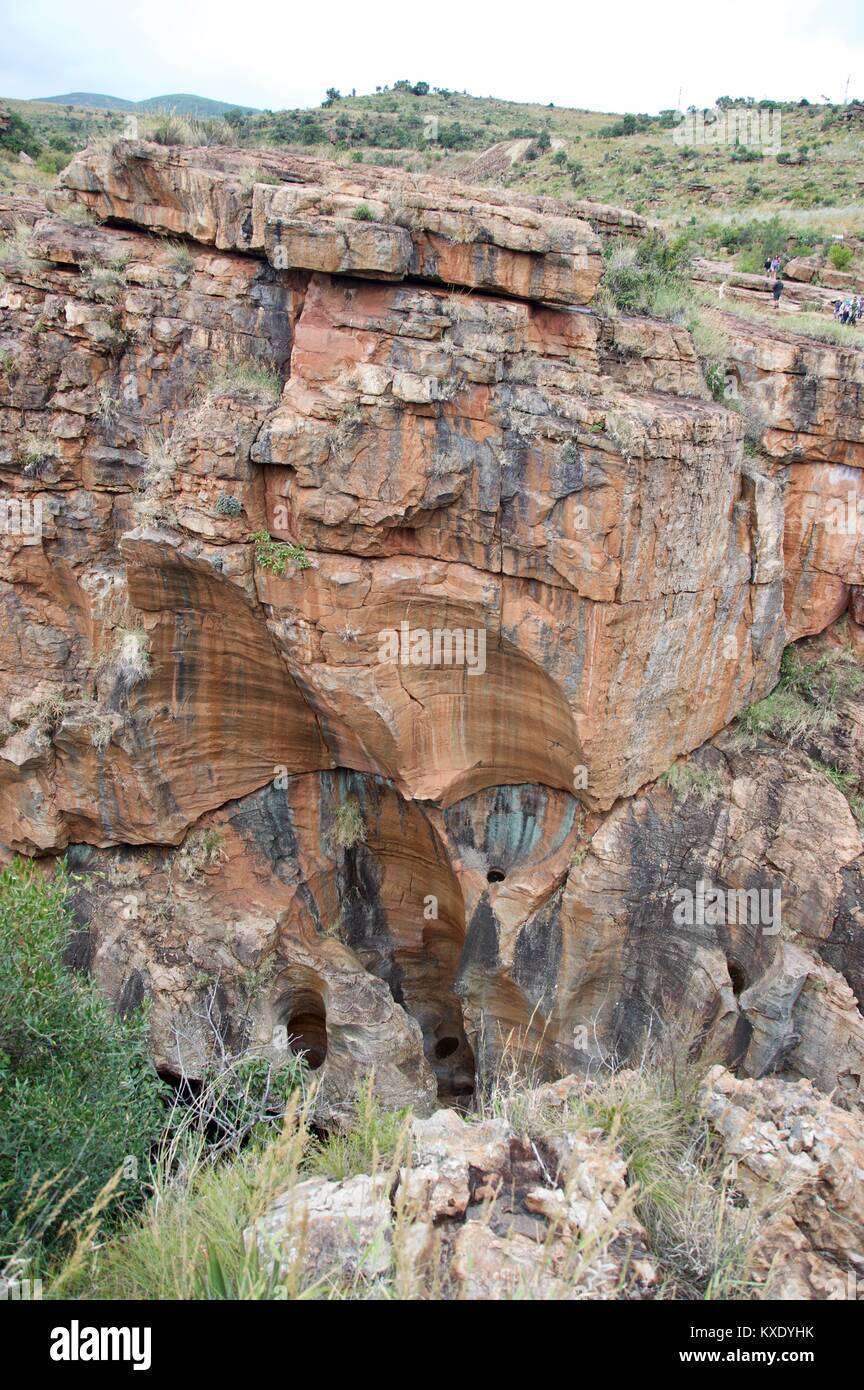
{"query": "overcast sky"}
pixel 628 55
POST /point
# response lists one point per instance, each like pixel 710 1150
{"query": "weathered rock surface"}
pixel 793 1148
pixel 545 1207
pixel 815 269
pixel 802 402
pixel 311 215
pixel 254 469
pixel 319 1229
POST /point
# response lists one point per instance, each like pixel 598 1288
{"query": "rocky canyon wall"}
pixel 359 581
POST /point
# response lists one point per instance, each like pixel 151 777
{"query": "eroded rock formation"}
pixel 261 467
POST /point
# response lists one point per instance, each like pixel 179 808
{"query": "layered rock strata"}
pixel 358 582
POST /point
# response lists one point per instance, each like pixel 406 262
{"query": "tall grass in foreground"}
pixel 700 1230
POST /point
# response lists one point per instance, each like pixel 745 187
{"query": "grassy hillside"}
pixel 632 159
pixel 180 103
pixel 97 99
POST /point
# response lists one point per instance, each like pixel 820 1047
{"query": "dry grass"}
pixel 154 504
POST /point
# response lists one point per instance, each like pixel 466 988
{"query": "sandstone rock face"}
pixel 814 268
pixel 349 616
pixel 491 436
pixel 803 405
pixel 307 214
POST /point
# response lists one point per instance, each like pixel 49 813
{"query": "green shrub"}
pixel 52 161
pixel 648 277
pixel 79 1099
pixel 840 256
pixel 18 136
pixel 363 213
pixel 228 505
pixel 275 556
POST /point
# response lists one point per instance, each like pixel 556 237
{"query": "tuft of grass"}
pixel 173 129
pixel 128 661
pixel 181 256
pixel 153 505
pixel 700 1231
pixel 685 779
pixel 373 1140
pixel 108 407
pixel 104 281
pixel 202 849
pixel 132 655
pixel 253 176
pixel 363 213
pixel 349 828
pixel 804 701
pixel 251 377
pixel 276 556
pixel 37 456
pixel 48 713
pixel 101 730
pixel 848 783
pixel 15 246
pixel 74 211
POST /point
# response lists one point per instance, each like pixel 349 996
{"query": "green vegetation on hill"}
pixel 95 99
pixel 180 103
pixel 633 160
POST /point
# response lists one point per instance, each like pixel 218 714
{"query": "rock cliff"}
pixel 364 582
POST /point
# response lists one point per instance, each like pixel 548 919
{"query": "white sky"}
pixel 625 55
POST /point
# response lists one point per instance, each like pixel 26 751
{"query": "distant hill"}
pixel 178 103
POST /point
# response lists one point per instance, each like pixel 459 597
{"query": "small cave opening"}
pixel 306 1025
pixel 737 977
pixel 495 876
pixel 445 1047
pixel 185 1088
